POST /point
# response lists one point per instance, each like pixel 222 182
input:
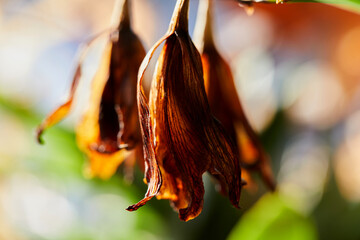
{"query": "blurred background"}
pixel 297 70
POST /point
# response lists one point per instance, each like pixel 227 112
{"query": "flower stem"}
pixel 180 17
pixel 203 33
pixel 121 14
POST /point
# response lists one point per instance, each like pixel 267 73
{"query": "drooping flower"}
pixel 110 126
pixel 181 138
pixel 225 103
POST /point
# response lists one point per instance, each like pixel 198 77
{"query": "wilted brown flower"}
pixel 224 101
pixel 181 137
pixel 110 126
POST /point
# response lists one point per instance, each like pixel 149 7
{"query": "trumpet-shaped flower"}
pixel 110 126
pixel 182 139
pixel 224 101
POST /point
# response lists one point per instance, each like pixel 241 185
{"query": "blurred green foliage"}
pixel 271 218
pixel 99 205
pixel 58 167
pixel 353 5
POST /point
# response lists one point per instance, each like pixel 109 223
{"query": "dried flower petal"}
pixel 224 101
pixel 110 126
pixel 181 138
pixel 61 112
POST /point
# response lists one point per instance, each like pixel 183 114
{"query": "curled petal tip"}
pixel 131 208
pixel 138 205
pixel 38 134
pixel 122 146
pixel 237 206
pixel 248 7
pixel 185 216
pixel 267 176
pixel 243 182
pixel 271 184
pixel 250 10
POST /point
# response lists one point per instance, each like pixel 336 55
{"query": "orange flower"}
pixel 224 101
pixel 181 138
pixel 110 126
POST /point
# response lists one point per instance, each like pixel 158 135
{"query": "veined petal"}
pixel 110 126
pixel 113 115
pixel 182 139
pixel 63 110
pixel 226 106
pixel 224 101
pixel 153 176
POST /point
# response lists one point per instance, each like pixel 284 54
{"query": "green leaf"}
pixel 270 219
pixel 351 5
